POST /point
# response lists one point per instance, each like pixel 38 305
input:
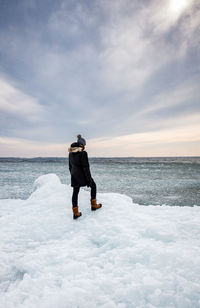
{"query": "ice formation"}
pixel 123 255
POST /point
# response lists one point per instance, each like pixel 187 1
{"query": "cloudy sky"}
pixel 125 74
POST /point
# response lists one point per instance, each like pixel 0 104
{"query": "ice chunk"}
pixel 49 180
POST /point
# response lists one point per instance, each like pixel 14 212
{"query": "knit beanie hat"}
pixel 81 141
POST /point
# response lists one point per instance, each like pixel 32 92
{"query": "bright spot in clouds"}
pixel 178 5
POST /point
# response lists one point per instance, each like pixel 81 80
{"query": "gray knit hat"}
pixel 81 141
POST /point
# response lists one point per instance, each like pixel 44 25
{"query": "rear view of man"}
pixel 81 176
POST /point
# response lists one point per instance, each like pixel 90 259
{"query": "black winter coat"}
pixel 80 169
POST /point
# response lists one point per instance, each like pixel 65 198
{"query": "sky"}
pixel 125 74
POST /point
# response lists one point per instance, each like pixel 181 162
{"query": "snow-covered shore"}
pixel 122 255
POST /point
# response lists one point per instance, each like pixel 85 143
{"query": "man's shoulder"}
pixel 84 154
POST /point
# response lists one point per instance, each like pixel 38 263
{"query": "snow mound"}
pixel 47 180
pixel 122 255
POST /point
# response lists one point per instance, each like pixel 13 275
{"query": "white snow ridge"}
pixel 122 255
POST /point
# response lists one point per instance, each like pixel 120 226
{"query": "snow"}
pixel 122 255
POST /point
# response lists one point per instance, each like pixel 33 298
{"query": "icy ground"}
pixel 122 255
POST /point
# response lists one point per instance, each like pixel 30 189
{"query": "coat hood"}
pixel 74 150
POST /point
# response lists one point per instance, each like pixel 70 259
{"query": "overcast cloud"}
pixel 114 71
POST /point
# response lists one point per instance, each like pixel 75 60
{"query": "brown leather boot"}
pixel 94 205
pixel 76 213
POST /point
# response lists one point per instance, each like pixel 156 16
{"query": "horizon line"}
pixel 22 157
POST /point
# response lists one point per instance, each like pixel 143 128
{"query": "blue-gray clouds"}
pixel 102 68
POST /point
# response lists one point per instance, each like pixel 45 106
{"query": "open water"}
pixel 148 181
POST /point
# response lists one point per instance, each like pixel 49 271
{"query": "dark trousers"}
pixel 76 191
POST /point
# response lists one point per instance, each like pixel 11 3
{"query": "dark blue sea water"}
pixel 171 181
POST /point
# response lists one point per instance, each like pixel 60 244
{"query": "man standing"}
pixel 80 175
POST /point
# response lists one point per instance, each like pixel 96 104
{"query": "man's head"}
pixel 81 140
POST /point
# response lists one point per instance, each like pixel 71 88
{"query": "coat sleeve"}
pixel 70 167
pixel 86 166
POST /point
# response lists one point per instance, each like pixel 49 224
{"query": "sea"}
pixel 173 181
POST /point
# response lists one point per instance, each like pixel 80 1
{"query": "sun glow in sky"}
pixel 125 75
pixel 178 5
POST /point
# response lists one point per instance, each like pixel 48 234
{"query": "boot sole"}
pixel 96 208
pixel 75 217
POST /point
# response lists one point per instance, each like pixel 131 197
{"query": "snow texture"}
pixel 122 255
